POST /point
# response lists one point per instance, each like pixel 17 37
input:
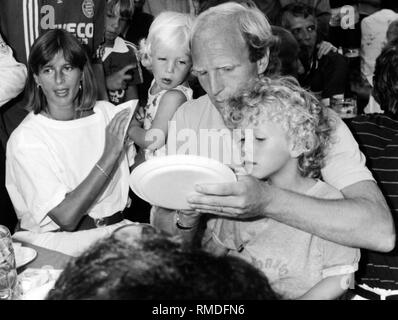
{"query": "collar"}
pixel 119 46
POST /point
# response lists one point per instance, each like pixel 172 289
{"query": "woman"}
pixel 66 168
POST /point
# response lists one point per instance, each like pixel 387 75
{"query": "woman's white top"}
pixel 46 159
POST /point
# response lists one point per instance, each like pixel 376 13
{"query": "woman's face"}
pixel 60 82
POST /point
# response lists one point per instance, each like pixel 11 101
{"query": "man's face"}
pixel 304 30
pixel 221 61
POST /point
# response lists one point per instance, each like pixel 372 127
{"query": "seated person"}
pixel 13 73
pixel 285 135
pixel 373 38
pixel 390 36
pixel 140 263
pixel 225 65
pixel 321 10
pixel 288 53
pixel 377 135
pixel 66 167
pixel 137 30
pixel 326 76
pixel 118 55
pixel 12 82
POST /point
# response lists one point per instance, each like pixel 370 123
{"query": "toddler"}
pixel 286 134
pixel 166 53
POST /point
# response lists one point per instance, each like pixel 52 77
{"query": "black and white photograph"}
pixel 200 156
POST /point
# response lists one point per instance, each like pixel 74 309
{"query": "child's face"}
pixel 170 66
pixel 114 25
pixel 267 152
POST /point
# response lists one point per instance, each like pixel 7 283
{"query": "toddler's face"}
pixel 266 150
pixel 114 26
pixel 170 66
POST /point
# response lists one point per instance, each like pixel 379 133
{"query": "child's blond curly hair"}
pixel 172 28
pixel 281 100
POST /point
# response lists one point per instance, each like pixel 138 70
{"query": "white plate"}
pixel 167 181
pixel 24 255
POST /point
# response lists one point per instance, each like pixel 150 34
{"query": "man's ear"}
pixel 262 63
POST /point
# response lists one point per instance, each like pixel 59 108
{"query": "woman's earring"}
pixel 38 86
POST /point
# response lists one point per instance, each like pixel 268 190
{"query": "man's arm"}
pixel 360 220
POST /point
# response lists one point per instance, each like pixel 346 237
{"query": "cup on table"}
pixel 345 107
pixel 8 270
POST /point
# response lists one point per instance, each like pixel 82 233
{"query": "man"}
pixel 326 76
pixel 225 65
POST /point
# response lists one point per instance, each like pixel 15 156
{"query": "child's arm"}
pixel 155 137
pixel 329 288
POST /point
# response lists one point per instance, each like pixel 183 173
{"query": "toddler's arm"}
pixel 329 288
pixel 155 137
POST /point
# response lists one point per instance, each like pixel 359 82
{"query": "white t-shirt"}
pixel 47 158
pixel 294 261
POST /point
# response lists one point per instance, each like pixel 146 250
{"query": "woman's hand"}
pixel 115 134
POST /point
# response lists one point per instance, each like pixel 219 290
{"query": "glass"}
pixel 8 270
pixel 136 231
pixel 345 107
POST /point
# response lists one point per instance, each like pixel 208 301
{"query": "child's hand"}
pixel 119 79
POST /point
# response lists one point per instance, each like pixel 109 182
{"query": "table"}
pixel 46 257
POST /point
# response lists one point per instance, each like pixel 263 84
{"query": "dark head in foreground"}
pixel 156 267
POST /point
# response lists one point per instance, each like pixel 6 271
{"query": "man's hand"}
pixel 324 48
pixel 119 79
pixel 244 199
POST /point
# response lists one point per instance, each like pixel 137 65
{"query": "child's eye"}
pixel 260 139
pixel 162 59
pixel 182 62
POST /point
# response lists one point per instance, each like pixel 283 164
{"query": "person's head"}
pixel 60 73
pixel 231 44
pixel 157 267
pixel 385 78
pixel 139 4
pixel 166 50
pixel 392 31
pixel 290 129
pixel 288 52
pixel 118 14
pixel 300 20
